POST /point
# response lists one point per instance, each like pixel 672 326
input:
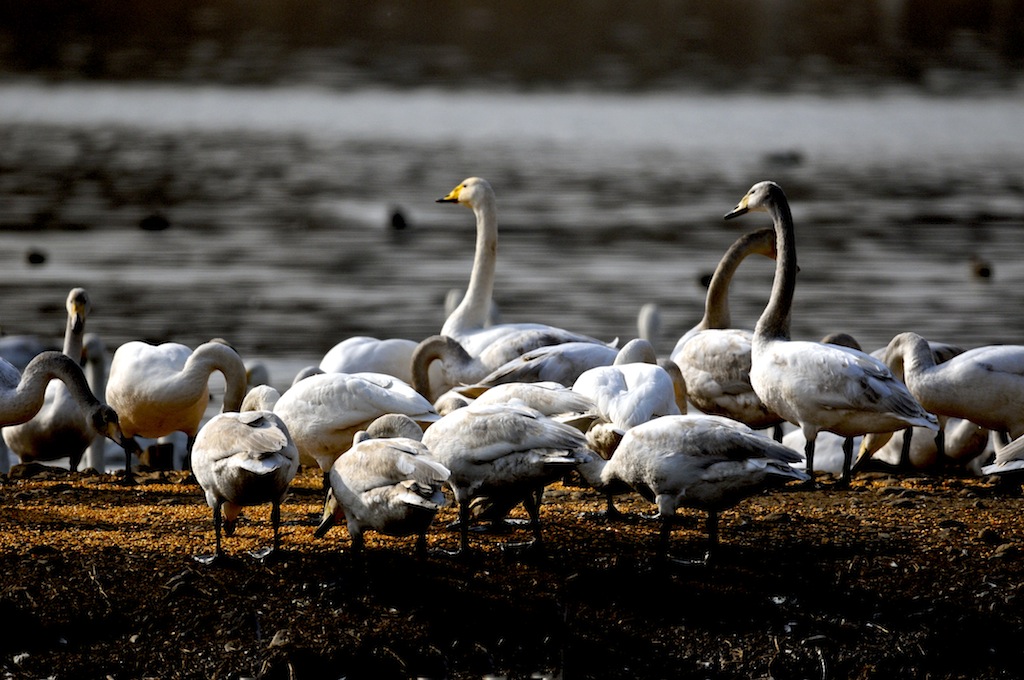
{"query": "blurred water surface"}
pixel 279 204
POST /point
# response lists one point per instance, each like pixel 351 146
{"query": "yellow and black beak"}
pixel 740 209
pixel 452 197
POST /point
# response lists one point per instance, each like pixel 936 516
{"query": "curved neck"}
pixel 908 353
pixel 436 347
pixel 21 404
pixel 774 321
pixel 716 304
pixel 214 356
pixel 476 303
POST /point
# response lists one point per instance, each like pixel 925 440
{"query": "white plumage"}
pixel 243 459
pixel 469 322
pixel 324 412
pixel 389 485
pixel 697 461
pixel 60 429
pixel 813 385
pixel 502 455
pixel 715 358
pixel 161 389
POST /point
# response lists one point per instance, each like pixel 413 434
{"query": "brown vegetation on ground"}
pixel 895 577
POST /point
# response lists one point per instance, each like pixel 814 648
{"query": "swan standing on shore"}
pixel 813 385
pixel 240 460
pixel 984 385
pixel 391 485
pixel 504 453
pixel 704 462
pixel 714 358
pixel 160 389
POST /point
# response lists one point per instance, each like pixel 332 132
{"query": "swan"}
pixel 813 385
pixel 468 323
pixel 517 359
pixel 360 353
pixel 633 390
pixel 390 485
pixel 161 389
pixel 1009 461
pixel 705 462
pixel 984 384
pixel 18 350
pixel 60 428
pixel 325 411
pixel 22 394
pixel 562 363
pixel 502 455
pixel 714 358
pixel 243 459
pixel 648 323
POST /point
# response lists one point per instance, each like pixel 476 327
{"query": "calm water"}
pixel 279 202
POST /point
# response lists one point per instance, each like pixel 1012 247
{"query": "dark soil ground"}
pixel 895 577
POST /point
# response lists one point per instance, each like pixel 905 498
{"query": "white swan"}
pixel 360 353
pixel 325 411
pixel 508 361
pixel 813 385
pixel 704 462
pixel 18 350
pixel 715 358
pixel 22 394
pixel 984 384
pixel 562 363
pixel 60 428
pixel 633 390
pixel 502 454
pixel 243 459
pixel 468 323
pixel 160 389
pixel 390 485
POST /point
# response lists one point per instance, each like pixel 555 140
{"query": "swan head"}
pixel 470 193
pixel 758 198
pixel 78 306
pixel 105 421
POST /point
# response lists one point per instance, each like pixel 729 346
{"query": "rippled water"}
pixel 279 201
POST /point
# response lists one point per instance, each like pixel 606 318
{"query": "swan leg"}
pixel 908 436
pixel 712 527
pixel 131 448
pixel 464 528
pixel 940 446
pixel 275 522
pixel 844 479
pixel 777 432
pixel 664 534
pixel 421 545
pixel 217 552
pixel 809 456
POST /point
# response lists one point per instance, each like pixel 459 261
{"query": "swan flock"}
pixel 399 428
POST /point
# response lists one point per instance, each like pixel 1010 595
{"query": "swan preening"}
pixel 817 386
pixel 243 459
pixel 161 389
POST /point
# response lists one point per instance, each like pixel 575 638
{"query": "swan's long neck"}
pixel 438 347
pixel 716 304
pixel 21 404
pixel 774 321
pixel 472 312
pixel 909 353
pixel 214 356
